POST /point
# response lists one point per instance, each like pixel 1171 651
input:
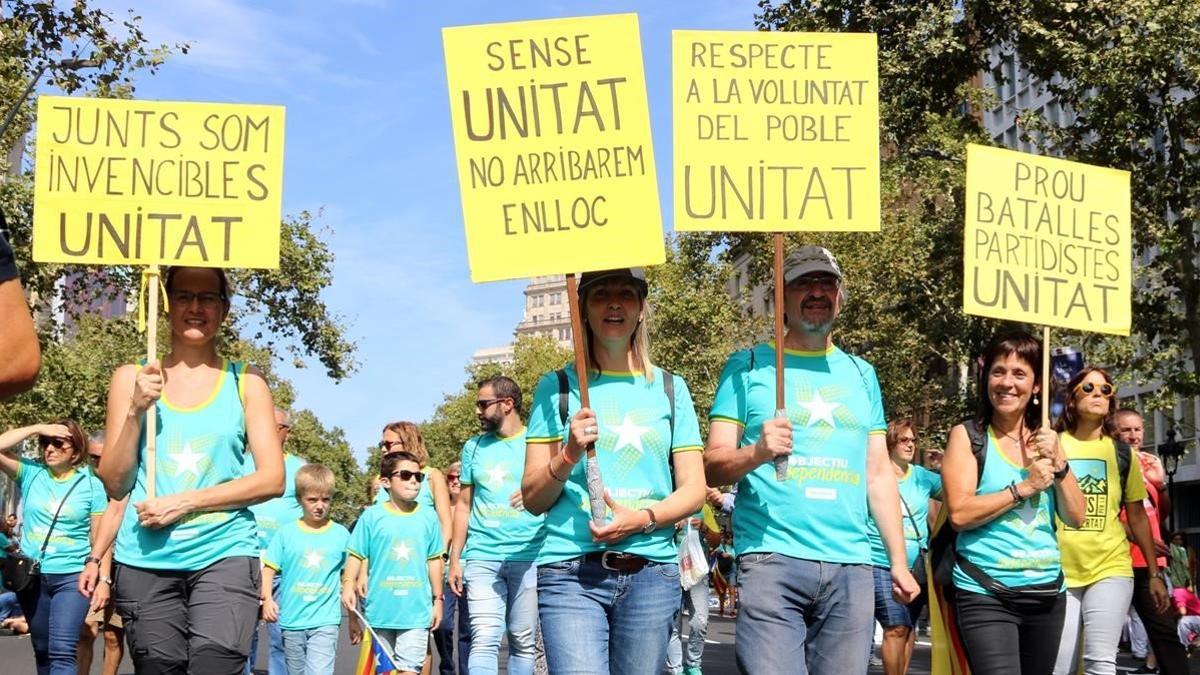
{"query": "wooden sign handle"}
pixel 1046 388
pixel 781 462
pixel 595 482
pixel 151 357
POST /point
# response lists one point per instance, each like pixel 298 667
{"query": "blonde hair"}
pixel 639 342
pixel 410 436
pixel 314 478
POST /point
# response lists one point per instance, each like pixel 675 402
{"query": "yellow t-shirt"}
pixel 1098 549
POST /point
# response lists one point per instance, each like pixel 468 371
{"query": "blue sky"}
pixel 369 141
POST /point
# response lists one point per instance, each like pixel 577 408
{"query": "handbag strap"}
pixel 908 512
pixel 58 511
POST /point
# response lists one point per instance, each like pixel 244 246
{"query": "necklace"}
pixel 1019 439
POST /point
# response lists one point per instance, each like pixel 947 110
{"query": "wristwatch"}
pixel 107 580
pixel 1062 473
pixel 91 559
pixel 652 525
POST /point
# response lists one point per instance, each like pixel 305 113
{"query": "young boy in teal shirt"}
pixel 400 542
pixel 309 554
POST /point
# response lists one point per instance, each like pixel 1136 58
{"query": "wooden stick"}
pixel 151 357
pixel 1046 391
pixel 595 482
pixel 781 462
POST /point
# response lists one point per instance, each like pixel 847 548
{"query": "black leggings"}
pixel 1009 637
pixel 1160 628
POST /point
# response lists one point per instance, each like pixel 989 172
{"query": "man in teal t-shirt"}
pixel 804 538
pixel 268 517
pixel 495 535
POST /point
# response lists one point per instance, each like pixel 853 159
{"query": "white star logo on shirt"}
pixel 819 410
pixel 630 434
pixel 497 474
pixel 187 460
pixel 402 551
pixel 52 504
pixel 313 559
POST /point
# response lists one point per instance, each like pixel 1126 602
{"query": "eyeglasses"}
pixel 282 427
pixel 404 474
pixel 826 283
pixel 388 445
pixel 60 443
pixel 907 441
pixel 1106 390
pixel 452 476
pixel 206 300
pixel 484 403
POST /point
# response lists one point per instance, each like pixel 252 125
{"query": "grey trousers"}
pixel 189 622
pixel 1097 613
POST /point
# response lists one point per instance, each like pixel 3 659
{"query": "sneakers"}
pixel 1144 670
pixel 692 670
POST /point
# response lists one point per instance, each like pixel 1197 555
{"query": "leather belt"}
pixel 617 561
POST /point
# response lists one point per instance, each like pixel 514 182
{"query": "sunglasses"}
pixel 60 443
pixel 1106 390
pixel 484 403
pixel 451 476
pixel 404 474
pixel 388 445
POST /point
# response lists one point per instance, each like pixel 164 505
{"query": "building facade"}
pixel 547 312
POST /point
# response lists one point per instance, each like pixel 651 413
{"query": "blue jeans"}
pixel 311 651
pixel 500 593
pixel 695 601
pixel 55 611
pixel 276 659
pixel 9 605
pixel 454 610
pixel 799 616
pixel 888 612
pixel 408 645
pixel 601 622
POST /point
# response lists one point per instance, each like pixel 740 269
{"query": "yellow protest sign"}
pixel 552 137
pixel 1047 241
pixel 775 131
pixel 120 182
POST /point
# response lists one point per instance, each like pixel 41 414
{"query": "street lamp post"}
pixel 1171 451
pixel 65 64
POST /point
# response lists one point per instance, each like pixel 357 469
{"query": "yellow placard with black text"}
pixel 127 182
pixel 552 141
pixel 1047 241
pixel 775 131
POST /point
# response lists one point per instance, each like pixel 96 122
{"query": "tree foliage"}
pixel 315 443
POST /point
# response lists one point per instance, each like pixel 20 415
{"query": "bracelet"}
pixel 1062 473
pixel 91 559
pixel 550 468
pixel 1016 496
pixel 107 580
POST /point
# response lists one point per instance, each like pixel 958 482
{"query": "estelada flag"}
pixel 374 657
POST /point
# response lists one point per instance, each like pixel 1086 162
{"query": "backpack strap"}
pixel 977 433
pixel 1124 459
pixel 564 394
pixel 668 381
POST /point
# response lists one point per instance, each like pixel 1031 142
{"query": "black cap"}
pixel 635 275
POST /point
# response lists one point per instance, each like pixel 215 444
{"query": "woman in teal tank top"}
pixel 1009 599
pixel 186 578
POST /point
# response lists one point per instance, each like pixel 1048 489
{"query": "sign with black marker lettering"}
pixel 125 182
pixel 552 138
pixel 775 131
pixel 1047 241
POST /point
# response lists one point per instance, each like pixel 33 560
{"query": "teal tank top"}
pixel 196 448
pixel 1020 547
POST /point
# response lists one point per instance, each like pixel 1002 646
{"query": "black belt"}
pixel 617 561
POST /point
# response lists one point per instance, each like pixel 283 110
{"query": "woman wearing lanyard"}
pixel 187 574
pixel 607 593
pixel 1006 482
pixel 917 486
pixel 61 505
pixel 1095 556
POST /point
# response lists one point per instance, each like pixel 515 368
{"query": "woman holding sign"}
pixel 607 592
pixel 61 505
pixel 1006 481
pixel 1095 557
pixel 187 573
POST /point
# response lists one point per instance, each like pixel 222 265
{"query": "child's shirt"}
pixel 396 547
pixel 309 563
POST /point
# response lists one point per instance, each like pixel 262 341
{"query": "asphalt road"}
pixel 16 655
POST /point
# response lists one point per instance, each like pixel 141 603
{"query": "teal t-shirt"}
pixel 271 514
pixel 1017 548
pixel 196 448
pixel 41 493
pixel 493 465
pixel 397 547
pixel 917 487
pixel 834 404
pixel 309 563
pixel 633 452
pixel 424 495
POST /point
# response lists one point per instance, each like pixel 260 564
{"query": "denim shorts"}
pixel 888 612
pixel 408 644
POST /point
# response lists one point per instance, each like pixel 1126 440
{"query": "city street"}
pixel 17 655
